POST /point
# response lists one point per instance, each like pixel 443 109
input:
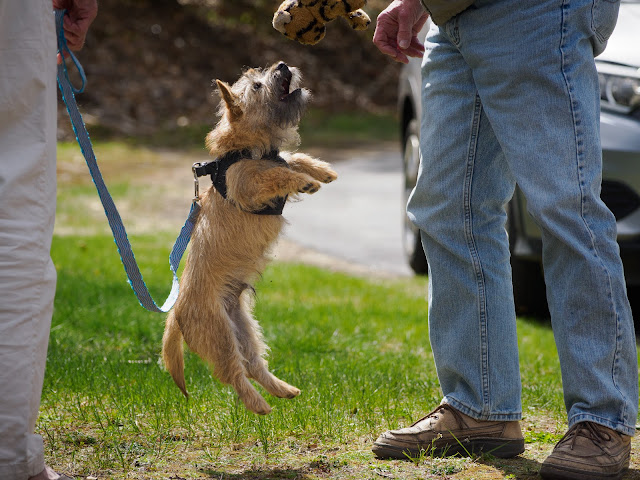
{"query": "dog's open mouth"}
pixel 286 86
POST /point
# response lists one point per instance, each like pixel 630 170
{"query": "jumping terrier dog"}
pixel 240 219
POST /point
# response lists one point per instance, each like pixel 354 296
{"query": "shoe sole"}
pixel 499 448
pixel 552 472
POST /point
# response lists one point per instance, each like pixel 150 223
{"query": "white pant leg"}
pixel 27 209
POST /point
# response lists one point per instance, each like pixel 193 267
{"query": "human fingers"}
pixel 385 35
pixel 62 4
pixel 81 14
pixel 415 49
pixel 411 19
pixel 387 45
pixel 74 36
pixel 405 30
pixel 386 28
pixel 414 52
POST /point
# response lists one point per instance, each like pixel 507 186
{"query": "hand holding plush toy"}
pixel 304 20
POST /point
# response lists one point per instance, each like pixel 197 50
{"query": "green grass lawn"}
pixel 358 349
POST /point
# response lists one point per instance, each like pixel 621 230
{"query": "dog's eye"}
pixel 257 86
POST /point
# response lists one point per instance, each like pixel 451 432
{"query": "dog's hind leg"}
pixel 214 340
pixel 249 336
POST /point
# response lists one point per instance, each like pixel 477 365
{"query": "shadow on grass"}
pixel 260 474
pixel 518 468
pixel 525 469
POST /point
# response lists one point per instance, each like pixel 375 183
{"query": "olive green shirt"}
pixel 443 10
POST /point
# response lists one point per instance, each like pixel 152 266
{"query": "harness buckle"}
pixel 196 183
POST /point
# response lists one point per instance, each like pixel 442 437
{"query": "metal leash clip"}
pixel 196 183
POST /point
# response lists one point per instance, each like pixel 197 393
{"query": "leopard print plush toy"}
pixel 304 20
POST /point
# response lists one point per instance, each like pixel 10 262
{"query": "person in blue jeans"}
pixel 510 95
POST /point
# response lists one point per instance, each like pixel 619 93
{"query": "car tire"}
pixel 529 290
pixel 413 250
pixel 633 294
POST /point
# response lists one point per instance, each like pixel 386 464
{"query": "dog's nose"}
pixel 282 67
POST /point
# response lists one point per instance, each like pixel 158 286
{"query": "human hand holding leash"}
pixel 397 30
pixel 80 15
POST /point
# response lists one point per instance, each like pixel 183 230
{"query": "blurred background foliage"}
pixel 151 64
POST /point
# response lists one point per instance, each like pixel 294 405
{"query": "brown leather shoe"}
pixel 447 432
pixel 588 451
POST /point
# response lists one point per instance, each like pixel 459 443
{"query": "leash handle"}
pixel 63 48
pixel 115 221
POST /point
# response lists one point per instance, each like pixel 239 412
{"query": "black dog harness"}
pixel 218 171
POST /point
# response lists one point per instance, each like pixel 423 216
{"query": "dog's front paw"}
pixel 309 187
pixel 330 177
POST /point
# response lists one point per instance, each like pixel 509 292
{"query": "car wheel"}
pixel 529 293
pixel 414 253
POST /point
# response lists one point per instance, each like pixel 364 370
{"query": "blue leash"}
pixel 115 222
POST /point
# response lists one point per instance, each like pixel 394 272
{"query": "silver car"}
pixel 619 73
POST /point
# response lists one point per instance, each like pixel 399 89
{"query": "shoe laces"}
pixel 589 430
pixel 443 407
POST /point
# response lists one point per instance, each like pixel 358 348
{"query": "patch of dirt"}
pixel 151 64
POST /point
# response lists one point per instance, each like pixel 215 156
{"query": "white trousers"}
pixel 27 210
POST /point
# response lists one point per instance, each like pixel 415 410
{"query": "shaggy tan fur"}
pixel 213 313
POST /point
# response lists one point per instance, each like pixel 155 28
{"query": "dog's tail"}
pixel 172 352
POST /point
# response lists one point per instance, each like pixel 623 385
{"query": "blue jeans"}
pixel 510 95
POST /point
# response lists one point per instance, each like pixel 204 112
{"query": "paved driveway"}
pixel 358 218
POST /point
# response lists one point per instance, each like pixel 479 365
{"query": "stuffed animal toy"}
pixel 304 20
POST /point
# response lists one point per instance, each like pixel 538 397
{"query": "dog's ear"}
pixel 230 100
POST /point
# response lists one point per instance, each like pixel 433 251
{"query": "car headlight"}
pixel 619 87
